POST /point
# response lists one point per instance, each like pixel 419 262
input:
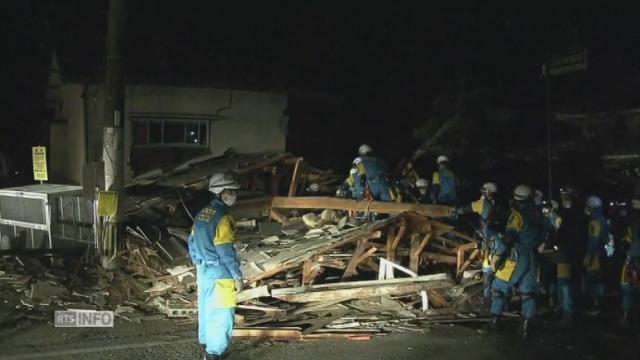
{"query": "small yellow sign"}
pixel 40 163
pixel 107 203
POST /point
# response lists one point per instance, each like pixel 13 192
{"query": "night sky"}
pixel 390 65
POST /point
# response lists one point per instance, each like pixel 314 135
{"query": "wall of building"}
pixel 247 121
pixel 67 148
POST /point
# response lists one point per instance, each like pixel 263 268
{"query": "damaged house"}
pixel 165 125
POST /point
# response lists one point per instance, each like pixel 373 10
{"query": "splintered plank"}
pixel 309 272
pixel 248 294
pixel 417 246
pixel 353 263
pixel 381 207
pixel 293 186
pixel 362 289
pixel 439 258
pixel 304 249
pixel 323 320
pixel 467 263
pixel 436 299
pixel 266 332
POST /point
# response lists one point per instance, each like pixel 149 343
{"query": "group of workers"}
pixel 563 250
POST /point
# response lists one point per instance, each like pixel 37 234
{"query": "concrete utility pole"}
pixel 113 132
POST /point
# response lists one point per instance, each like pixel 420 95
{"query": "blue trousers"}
pixel 594 285
pixel 566 292
pixel 630 287
pixel 380 189
pixel 501 291
pixel 487 281
pixel 215 323
pixel 629 296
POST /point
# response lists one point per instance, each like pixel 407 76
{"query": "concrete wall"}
pixel 254 122
pixel 67 148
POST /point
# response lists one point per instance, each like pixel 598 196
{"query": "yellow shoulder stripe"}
pixel 225 231
pixel 516 222
pixel 595 228
pixel 436 178
pixel 478 206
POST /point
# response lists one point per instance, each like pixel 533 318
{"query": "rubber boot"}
pixel 526 329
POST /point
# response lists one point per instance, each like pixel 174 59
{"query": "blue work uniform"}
pixel 485 208
pixel 598 236
pixel 211 250
pixel 374 171
pixel 519 267
pixel 444 183
pixel 630 277
pixel 354 185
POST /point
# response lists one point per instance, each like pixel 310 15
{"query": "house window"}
pixel 169 132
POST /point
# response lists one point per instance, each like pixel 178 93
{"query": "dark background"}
pixel 378 71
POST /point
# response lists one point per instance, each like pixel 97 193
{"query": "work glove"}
pixel 239 285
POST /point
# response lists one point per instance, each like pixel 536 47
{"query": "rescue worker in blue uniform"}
pixel 373 176
pixel 516 267
pixel 571 242
pixel 218 270
pixel 555 286
pixel 444 183
pixel 630 277
pixel 423 195
pixel 351 185
pixel 485 208
pixel 597 238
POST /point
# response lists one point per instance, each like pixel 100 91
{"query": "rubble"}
pixel 315 267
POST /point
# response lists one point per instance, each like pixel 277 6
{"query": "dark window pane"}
pixel 155 132
pixel 203 134
pixel 173 132
pixel 140 129
pixel 192 133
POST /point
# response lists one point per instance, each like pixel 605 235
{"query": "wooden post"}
pixel 351 267
pixel 294 178
pixel 467 263
pixel 391 235
pixel 417 246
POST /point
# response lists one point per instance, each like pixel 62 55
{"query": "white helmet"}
pixel 489 188
pixel 635 203
pixel 221 181
pixel 594 202
pixel 422 183
pixel 314 187
pixel 357 161
pixel 364 149
pixel 442 159
pixel 522 192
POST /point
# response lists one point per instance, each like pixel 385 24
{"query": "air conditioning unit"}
pixel 45 216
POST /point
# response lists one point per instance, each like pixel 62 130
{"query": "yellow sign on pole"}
pixel 107 203
pixel 40 163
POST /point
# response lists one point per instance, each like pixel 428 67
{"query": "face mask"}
pixel 229 198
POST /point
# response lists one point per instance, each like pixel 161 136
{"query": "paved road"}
pixel 165 340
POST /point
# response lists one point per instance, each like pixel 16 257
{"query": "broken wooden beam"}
pixel 380 207
pixel 248 294
pixel 293 186
pixel 362 289
pixel 417 246
pixel 267 332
